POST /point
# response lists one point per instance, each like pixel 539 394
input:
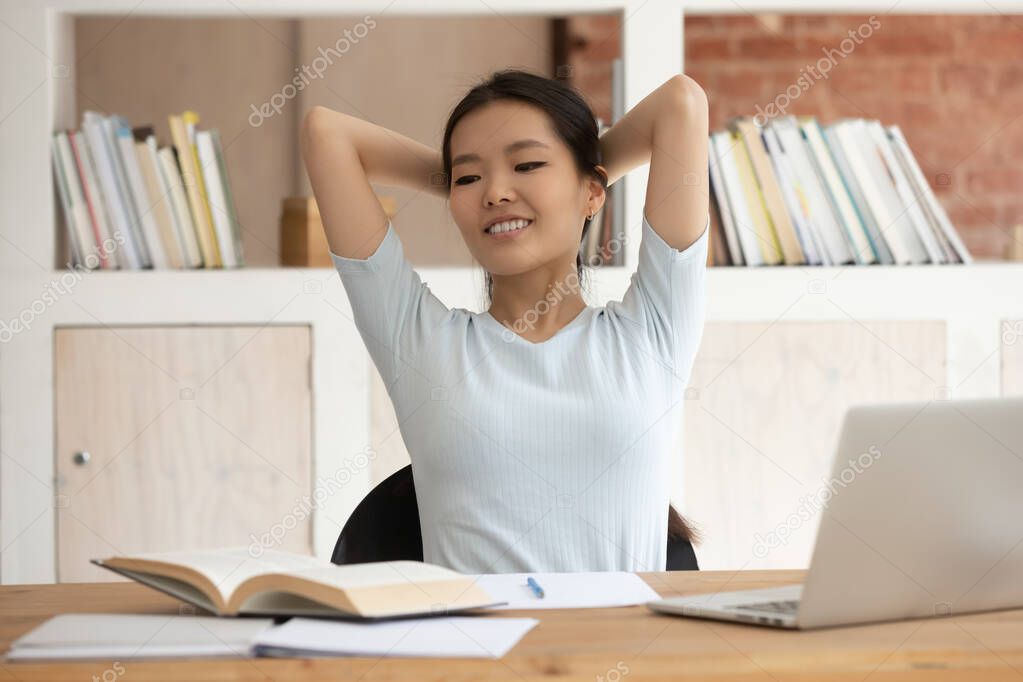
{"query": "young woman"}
pixel 540 431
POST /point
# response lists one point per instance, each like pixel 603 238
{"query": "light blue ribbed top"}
pixel 551 456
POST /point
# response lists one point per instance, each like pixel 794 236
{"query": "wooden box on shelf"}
pixel 1014 251
pixel 303 242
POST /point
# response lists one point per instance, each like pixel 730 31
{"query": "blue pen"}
pixel 535 586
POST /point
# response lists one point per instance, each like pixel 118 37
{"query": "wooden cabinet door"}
pixel 178 438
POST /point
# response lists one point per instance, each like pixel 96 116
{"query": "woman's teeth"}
pixel 508 226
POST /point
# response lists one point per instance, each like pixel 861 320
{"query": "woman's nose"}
pixel 497 191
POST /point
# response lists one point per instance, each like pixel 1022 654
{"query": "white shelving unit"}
pixel 37 96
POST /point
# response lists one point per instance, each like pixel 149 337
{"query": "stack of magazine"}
pixel 791 192
pixel 130 204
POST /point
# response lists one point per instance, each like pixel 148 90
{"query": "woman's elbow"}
pixel 687 94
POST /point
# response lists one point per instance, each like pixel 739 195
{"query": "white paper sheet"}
pixel 137 636
pixel 568 590
pixel 448 636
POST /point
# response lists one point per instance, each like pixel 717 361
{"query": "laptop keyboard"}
pixel 788 606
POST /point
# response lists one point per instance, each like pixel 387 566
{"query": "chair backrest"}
pixel 385 527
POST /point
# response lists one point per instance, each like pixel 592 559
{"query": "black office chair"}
pixel 385 527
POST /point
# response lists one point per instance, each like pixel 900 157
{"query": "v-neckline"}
pixel 575 321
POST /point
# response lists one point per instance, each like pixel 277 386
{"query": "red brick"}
pixel 978 22
pixel 889 45
pixel 918 71
pixel 913 23
pixel 1010 141
pixel 1011 213
pixel 984 241
pixel 1002 44
pixel 975 80
pixel 941 174
pixel 988 149
pixel 601 46
pixel 806 23
pixel 854 78
pixel 698 26
pixel 708 48
pixel 914 79
pixel 839 46
pixel 596 23
pixel 969 211
pixel 924 115
pixel 740 24
pixel 1010 80
pixel 843 22
pixel 996 180
pixel 768 47
pixel 742 83
pixel 958 154
pixel 704 75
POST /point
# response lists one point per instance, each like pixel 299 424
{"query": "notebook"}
pixel 447 636
pixel 123 636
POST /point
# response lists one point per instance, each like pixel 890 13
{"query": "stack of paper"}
pixel 108 636
pixel 567 590
pixel 460 636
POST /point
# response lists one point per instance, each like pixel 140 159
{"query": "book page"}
pixel 229 567
pixel 378 574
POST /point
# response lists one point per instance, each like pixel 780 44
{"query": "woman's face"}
pixel 507 160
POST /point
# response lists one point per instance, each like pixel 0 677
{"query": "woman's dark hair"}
pixel 680 529
pixel 571 117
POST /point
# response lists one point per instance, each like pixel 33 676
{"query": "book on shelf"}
pixel 129 203
pixel 793 192
pixel 235 581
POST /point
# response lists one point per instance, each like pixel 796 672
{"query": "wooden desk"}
pixel 615 645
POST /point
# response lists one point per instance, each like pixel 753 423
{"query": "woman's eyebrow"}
pixel 513 147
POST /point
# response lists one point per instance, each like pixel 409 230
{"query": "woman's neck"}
pixel 538 314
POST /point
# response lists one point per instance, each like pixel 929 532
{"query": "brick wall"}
pixel 953 83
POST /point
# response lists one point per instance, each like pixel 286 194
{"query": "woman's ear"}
pixel 598 192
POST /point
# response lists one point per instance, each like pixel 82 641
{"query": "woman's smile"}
pixel 510 230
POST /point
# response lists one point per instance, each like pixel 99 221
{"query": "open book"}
pixel 231 582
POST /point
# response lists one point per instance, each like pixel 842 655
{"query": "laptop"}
pixel 923 516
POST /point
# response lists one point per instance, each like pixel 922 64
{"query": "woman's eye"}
pixel 466 179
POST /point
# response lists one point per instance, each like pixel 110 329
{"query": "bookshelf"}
pixel 38 97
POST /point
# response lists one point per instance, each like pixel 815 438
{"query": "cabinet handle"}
pixel 81 458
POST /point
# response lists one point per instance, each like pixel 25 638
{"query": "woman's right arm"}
pixel 343 154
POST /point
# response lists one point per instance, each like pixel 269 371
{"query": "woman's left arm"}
pixel 669 129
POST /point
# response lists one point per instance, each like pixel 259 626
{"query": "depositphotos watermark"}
pixel 1011 331
pixel 824 65
pixel 110 674
pixel 615 674
pixel 305 505
pixel 557 293
pixel 809 505
pixel 54 289
pixel 309 72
